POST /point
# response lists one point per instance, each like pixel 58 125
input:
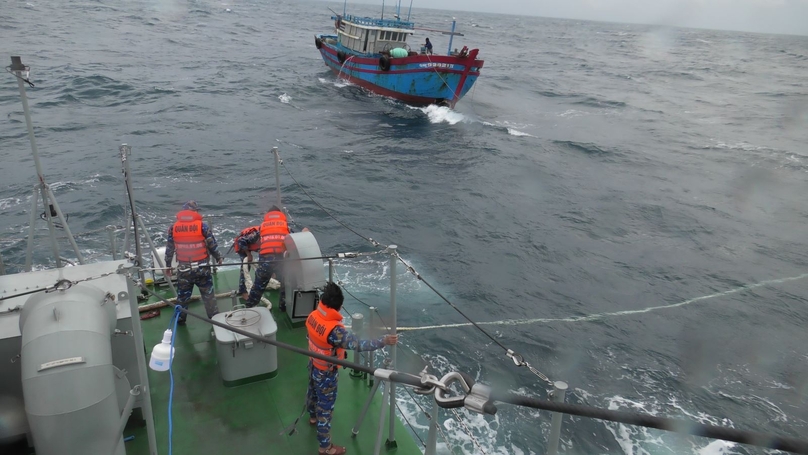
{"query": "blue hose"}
pixel 174 319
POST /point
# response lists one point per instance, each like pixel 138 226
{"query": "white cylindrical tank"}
pixel 68 379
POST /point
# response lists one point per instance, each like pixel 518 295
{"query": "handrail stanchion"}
pixel 2 265
pixel 355 430
pixel 377 449
pixel 391 436
pixel 29 250
pixel 357 326
pixel 432 437
pixel 112 246
pixel 330 270
pixel 372 354
pixel 277 177
pixel 125 153
pixel 128 227
pixel 559 394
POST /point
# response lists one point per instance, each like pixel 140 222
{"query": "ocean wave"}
pixel 587 148
pixel 595 102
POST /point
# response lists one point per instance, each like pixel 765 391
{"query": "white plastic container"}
pixel 243 359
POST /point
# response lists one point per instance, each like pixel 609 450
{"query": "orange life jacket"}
pixel 252 247
pixel 188 238
pixel 273 231
pixel 319 325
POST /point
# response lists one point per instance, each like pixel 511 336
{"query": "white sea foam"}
pixel 285 98
pixel 9 202
pixel 515 132
pixel 442 114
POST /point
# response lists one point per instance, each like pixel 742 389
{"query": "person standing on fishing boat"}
pixel 194 243
pixel 428 46
pixel 247 241
pixel 327 336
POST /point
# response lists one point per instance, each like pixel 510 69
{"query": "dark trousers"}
pixel 202 278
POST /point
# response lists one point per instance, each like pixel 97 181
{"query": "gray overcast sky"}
pixel 768 16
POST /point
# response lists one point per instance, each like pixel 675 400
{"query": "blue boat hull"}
pixel 417 79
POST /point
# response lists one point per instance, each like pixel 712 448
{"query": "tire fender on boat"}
pixel 341 56
pixel 384 63
pixel 318 43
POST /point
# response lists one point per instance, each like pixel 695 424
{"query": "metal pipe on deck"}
pixel 391 437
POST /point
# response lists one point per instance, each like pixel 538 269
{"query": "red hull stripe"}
pixel 331 55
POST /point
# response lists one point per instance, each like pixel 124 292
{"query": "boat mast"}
pixel 48 199
pixel 409 12
pixel 382 10
pixel 345 8
pixel 451 36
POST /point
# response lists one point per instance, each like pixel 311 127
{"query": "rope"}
pixel 60 285
pixel 368 239
pixel 13 73
pixel 409 424
pixel 248 283
pixel 509 352
pixel 439 75
pixel 601 316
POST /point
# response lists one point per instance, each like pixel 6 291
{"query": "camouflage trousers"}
pixel 202 278
pixel 320 399
pixel 267 266
pixel 242 285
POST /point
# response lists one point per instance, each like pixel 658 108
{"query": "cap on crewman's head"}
pixel 191 205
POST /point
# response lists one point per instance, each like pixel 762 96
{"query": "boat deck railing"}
pixel 373 22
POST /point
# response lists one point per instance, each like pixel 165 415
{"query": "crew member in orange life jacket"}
pixel 328 336
pixel 272 232
pixel 194 243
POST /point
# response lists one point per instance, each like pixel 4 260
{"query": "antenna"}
pixel 22 73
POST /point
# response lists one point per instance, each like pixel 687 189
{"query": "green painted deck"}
pixel 209 418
